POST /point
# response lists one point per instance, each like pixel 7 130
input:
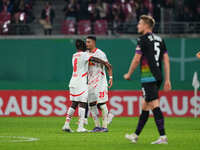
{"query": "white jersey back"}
pixel 96 71
pixel 80 70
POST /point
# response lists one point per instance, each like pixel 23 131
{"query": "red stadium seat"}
pixel 68 27
pixel 100 27
pixel 84 27
pixel 5 20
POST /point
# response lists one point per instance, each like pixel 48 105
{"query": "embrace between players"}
pixel 150 53
pixel 88 85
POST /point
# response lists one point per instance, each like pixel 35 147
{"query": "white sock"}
pixel 104 110
pixel 69 115
pixel 134 134
pixel 81 112
pixel 95 113
pixel 163 136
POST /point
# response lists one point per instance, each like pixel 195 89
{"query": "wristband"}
pixel 110 77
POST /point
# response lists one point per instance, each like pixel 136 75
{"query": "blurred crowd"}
pixel 15 15
pixel 118 14
pixel 130 10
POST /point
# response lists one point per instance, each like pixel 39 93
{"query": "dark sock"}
pixel 142 121
pixel 86 111
pixel 159 119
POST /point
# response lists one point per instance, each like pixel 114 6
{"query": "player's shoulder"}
pixel 150 37
pixel 76 54
pixel 79 54
pixel 99 51
pixel 141 37
pixel 157 37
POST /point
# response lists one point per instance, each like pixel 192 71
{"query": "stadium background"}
pixel 37 43
pixel 45 64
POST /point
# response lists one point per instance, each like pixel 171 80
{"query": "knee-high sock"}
pixel 87 112
pixel 142 121
pixel 69 115
pixel 159 119
pixel 104 110
pixel 95 115
pixel 81 112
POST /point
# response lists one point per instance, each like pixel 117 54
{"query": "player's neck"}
pixel 147 31
pixel 93 50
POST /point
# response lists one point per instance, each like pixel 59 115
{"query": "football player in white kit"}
pixel 78 85
pixel 98 86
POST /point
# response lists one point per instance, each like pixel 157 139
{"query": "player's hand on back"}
pixel 167 86
pixel 127 76
pixel 198 55
pixel 110 83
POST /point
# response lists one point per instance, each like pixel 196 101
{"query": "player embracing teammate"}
pixel 98 86
pixel 88 85
pixel 78 85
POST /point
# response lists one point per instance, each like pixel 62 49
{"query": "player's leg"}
pixel 158 115
pixel 92 100
pixel 95 116
pixel 69 115
pixel 143 117
pixel 110 117
pixel 87 112
pixel 159 120
pixel 147 95
pixel 104 110
pixel 103 98
pixel 141 122
pixel 81 112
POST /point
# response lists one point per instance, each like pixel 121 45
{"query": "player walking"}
pixel 98 86
pixel 78 85
pixel 150 52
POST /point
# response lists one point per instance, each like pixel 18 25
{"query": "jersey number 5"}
pixel 157 55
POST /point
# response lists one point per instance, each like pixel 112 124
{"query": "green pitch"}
pixel 183 134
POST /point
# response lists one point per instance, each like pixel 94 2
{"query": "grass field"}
pixel 183 134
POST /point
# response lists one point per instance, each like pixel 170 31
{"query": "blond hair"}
pixel 149 20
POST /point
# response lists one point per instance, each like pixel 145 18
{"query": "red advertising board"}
pixel 121 103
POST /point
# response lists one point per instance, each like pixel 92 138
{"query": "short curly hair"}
pixel 80 45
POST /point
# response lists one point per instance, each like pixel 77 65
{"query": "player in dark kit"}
pixel 150 52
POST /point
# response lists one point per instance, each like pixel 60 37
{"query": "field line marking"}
pixel 19 139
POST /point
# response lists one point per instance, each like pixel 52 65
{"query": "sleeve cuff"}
pixel 166 52
pixel 138 52
pixel 89 58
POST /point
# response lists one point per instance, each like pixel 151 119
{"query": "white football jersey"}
pixel 96 72
pixel 80 71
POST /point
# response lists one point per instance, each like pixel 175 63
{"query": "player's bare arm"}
pixel 167 84
pixel 110 73
pixel 108 67
pixel 135 62
pixel 198 55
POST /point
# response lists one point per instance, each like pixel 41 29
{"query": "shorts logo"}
pixel 143 93
pixel 101 95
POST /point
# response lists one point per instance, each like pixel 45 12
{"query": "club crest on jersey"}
pixel 91 64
